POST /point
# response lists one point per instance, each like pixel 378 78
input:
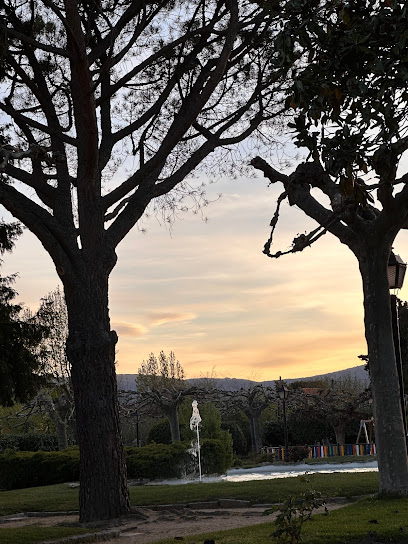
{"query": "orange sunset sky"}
pixel 206 291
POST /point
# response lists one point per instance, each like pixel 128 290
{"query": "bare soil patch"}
pixel 147 526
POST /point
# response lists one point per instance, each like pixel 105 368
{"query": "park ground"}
pixel 356 515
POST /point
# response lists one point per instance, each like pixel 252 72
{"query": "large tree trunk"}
pixel 91 352
pixel 62 438
pixel 60 424
pixel 254 425
pixel 389 431
pixel 340 432
pixel 172 415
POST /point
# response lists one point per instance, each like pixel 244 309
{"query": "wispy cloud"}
pixel 130 329
pixel 161 318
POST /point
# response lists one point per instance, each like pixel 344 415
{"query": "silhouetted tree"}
pixel 20 366
pixel 252 402
pixel 57 398
pixel 86 86
pixel 161 386
pixel 334 403
pixel 349 103
pixel 403 329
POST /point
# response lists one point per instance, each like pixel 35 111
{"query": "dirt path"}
pixel 157 525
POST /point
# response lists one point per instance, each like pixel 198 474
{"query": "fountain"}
pixel 195 421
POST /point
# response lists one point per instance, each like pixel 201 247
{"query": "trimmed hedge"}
pixel 216 454
pixel 19 469
pixel 28 442
pixel 156 461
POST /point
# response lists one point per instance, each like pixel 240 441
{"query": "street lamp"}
pixel 283 393
pixel 396 272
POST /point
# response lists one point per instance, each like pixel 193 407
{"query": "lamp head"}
pixel 395 271
pixel 283 391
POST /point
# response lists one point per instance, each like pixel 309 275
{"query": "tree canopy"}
pixel 20 365
pixel 109 106
pixel 348 72
pixel 158 373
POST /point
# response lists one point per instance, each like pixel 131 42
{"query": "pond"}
pixel 269 472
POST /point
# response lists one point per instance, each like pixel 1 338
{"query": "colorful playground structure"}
pixel 332 450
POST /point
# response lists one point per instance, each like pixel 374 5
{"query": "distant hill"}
pixel 127 382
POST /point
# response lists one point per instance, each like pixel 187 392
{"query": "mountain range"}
pixel 127 382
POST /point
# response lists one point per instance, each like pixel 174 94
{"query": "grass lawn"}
pixel 61 497
pixel 31 535
pixel 387 517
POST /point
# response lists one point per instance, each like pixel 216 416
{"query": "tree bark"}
pixel 340 432
pixel 91 352
pixel 254 426
pixel 389 430
pixel 62 435
pixel 172 415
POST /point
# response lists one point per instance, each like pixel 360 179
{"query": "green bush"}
pixel 28 442
pixel 216 455
pixel 30 469
pixel 158 461
pixel 239 440
pixel 160 432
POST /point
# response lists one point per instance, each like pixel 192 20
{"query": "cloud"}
pixel 161 318
pixel 130 329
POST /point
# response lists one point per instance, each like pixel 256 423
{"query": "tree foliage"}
pixel 109 107
pixel 403 330
pixel 52 314
pixel 19 338
pixel 161 389
pixel 348 94
pixel 252 402
pixel 347 66
pixel 160 372
pixel 336 404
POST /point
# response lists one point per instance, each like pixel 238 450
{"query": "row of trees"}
pixel 162 391
pixel 169 85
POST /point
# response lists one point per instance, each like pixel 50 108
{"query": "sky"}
pixel 205 291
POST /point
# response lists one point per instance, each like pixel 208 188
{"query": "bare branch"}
pixel 34 43
pixel 269 172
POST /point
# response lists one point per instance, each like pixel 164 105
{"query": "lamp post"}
pixel 396 272
pixel 283 393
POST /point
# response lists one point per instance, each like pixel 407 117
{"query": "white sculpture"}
pixel 195 418
pixel 195 421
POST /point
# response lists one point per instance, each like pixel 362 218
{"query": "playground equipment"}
pixel 363 427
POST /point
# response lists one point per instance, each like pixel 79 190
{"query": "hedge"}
pixel 28 442
pixel 19 469
pixel 156 461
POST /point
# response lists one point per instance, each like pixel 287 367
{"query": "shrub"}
pixel 293 514
pixel 216 455
pixel 160 432
pixel 239 440
pixel 29 442
pixel 30 469
pixel 298 453
pixel 157 461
